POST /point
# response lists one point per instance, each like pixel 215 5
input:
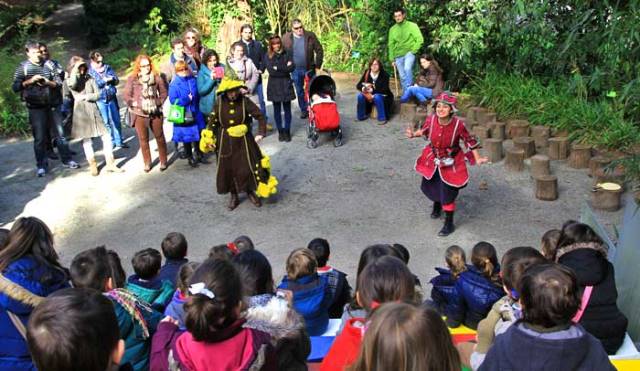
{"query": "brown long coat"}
pixel 87 121
pixel 239 168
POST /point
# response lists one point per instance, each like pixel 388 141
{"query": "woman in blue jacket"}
pixel 107 80
pixel 209 77
pixel 183 91
pixel 30 272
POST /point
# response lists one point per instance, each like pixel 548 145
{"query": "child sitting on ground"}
pixel 216 338
pixel 136 319
pixel 385 280
pixel 243 243
pixel 444 292
pixel 223 252
pixel 477 288
pixel 413 338
pixel 546 338
pixel 337 280
pixel 174 248
pixel 145 283
pixel 311 295
pixel 175 308
pixel 549 243
pixel 75 329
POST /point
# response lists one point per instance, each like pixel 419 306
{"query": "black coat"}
pixel 602 318
pixel 380 86
pixel 280 86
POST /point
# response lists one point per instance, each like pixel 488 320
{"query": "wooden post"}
pixel 407 111
pixel 526 144
pixel 539 166
pixel 615 175
pixel 580 156
pixel 547 188
pixel 596 163
pixel 514 161
pixel 558 148
pixel 498 130
pixel 485 117
pixel 606 196
pixel 541 135
pixel 518 128
pixel 473 112
pixel 481 132
pixel 493 149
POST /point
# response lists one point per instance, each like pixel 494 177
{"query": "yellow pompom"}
pixel 237 131
pixel 207 141
pixel 265 162
pixel 267 189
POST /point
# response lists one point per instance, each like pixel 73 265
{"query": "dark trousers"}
pixel 45 120
pixel 277 115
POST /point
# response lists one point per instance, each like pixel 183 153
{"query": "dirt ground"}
pixel 363 193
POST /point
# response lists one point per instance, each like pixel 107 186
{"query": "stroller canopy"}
pixel 322 84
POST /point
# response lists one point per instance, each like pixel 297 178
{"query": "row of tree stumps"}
pixel 537 146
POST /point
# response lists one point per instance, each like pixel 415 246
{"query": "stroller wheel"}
pixel 338 141
pixel 311 143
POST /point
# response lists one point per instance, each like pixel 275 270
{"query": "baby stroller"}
pixel 323 110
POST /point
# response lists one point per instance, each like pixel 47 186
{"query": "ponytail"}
pixel 456 260
pixel 485 258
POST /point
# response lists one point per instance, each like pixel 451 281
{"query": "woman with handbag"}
pixel 144 94
pixel 374 90
pixel 280 86
pixel 185 113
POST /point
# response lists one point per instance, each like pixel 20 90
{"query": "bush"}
pixel 13 114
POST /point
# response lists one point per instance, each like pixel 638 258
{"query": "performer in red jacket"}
pixel 442 162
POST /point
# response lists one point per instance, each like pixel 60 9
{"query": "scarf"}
pixel 99 68
pixel 149 94
pixel 133 306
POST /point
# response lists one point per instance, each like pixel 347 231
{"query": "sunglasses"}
pixel 297 28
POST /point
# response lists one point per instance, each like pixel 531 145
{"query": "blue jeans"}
pixel 421 94
pixel 404 64
pixel 111 117
pixel 277 115
pixel 260 93
pixel 364 107
pixel 298 82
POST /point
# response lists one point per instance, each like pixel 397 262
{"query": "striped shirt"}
pixel 28 69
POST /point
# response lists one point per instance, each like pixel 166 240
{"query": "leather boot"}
pixel 234 201
pixel 287 135
pixel 93 166
pixel 255 200
pixel 111 164
pixel 437 210
pixel 448 226
pixel 281 136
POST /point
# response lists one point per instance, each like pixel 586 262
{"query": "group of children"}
pixel 532 311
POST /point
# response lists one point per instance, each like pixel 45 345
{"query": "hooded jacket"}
pixel 157 293
pixel 312 299
pixel 444 293
pixel 475 297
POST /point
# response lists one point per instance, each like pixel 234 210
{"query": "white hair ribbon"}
pixel 201 289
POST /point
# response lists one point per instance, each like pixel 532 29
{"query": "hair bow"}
pixel 234 249
pixel 201 289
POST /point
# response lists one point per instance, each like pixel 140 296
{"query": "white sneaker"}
pixel 41 172
pixel 71 164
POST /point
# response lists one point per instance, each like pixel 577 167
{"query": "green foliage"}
pixel 13 115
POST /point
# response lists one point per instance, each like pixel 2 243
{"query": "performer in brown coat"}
pixel 240 162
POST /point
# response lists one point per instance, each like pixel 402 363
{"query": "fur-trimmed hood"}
pixel 276 318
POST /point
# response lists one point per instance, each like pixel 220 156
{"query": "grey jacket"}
pixel 87 121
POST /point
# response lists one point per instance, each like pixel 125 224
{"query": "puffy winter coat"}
pixel 476 296
pixel 444 293
pixel 157 293
pixel 40 280
pixel 602 318
pixel 312 299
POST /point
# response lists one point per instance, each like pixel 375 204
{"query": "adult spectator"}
pixel 40 88
pixel 307 56
pixel 168 69
pixel 374 90
pixel 253 50
pixel 209 77
pixel 193 45
pixel 107 80
pixel 405 40
pixel 144 93
pixel 429 82
pixel 244 68
pixel 279 88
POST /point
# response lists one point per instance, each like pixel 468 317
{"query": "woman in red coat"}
pixel 442 162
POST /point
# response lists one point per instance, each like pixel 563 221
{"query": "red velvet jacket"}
pixel 443 142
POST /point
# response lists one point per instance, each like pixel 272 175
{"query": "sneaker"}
pixel 41 172
pixel 71 164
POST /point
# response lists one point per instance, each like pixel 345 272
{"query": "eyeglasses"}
pixel 297 28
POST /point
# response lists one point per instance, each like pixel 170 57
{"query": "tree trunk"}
pixel 547 188
pixel 558 148
pixel 539 166
pixel 498 130
pixel 493 149
pixel 514 161
pixel 527 144
pixel 580 156
pixel 605 199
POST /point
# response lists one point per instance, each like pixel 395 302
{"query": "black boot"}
pixel 437 210
pixel 448 226
pixel 281 136
pixel 287 135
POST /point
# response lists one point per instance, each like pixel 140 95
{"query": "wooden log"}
pixel 518 128
pixel 558 148
pixel 541 135
pixel 606 196
pixel 547 188
pixel 407 111
pixel 527 144
pixel 598 162
pixel 481 132
pixel 539 166
pixel 493 149
pixel 485 117
pixel 514 160
pixel 498 130
pixel 614 175
pixel 473 112
pixel 580 156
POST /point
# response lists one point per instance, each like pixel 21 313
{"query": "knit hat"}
pixel 446 98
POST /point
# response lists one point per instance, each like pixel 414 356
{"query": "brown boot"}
pixel 93 166
pixel 111 164
pixel 254 199
pixel 233 201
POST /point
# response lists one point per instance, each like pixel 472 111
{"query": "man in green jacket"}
pixel 405 40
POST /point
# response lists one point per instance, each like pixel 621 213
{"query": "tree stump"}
pixel 514 160
pixel 539 166
pixel 481 132
pixel 596 163
pixel 407 111
pixel 580 156
pixel 485 117
pixel 494 149
pixel 541 135
pixel 473 112
pixel 527 144
pixel 547 188
pixel 518 128
pixel 498 130
pixel 558 148
pixel 606 196
pixel 615 175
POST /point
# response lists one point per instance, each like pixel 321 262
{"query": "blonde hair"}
pixel 456 260
pixel 301 262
